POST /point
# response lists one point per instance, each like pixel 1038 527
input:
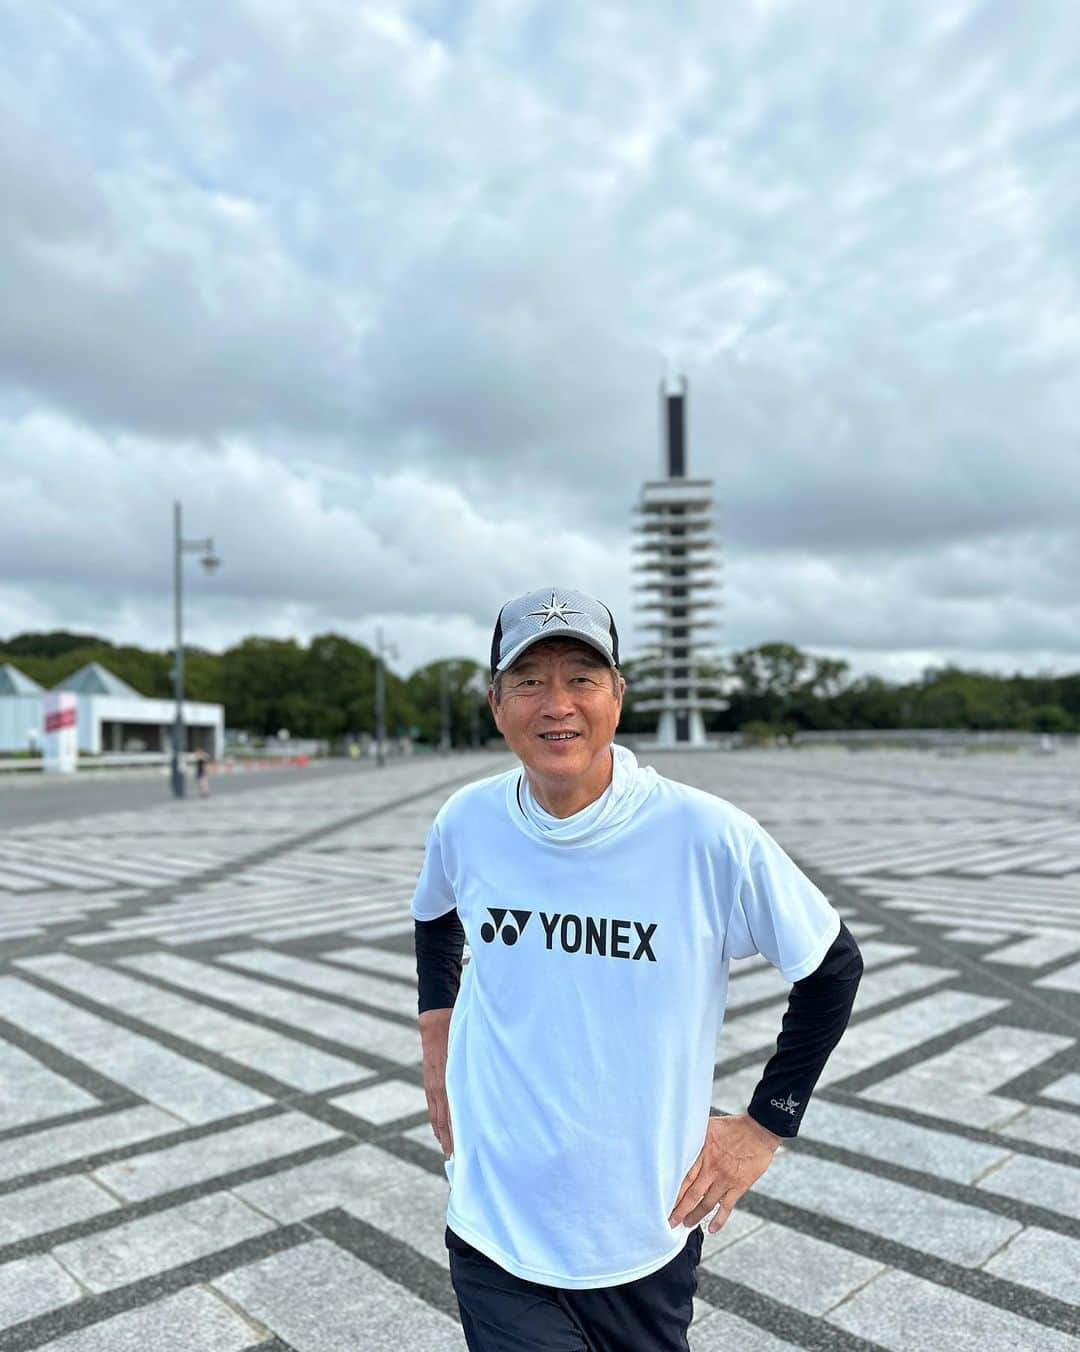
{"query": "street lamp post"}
pixel 209 561
pixel 381 649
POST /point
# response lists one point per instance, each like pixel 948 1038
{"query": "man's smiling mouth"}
pixel 559 736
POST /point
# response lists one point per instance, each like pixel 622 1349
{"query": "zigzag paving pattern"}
pixel 213 1130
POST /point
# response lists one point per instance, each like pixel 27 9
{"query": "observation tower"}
pixel 675 549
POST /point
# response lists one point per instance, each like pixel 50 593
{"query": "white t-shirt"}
pixel 583 1038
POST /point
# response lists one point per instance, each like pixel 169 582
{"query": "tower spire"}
pixel 676 561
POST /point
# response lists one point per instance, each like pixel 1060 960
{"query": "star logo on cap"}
pixel 555 610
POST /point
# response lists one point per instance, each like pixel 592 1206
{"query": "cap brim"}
pixel 514 653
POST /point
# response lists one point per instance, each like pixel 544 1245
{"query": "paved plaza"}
pixel 213 1131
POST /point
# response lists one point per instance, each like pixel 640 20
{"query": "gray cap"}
pixel 552 612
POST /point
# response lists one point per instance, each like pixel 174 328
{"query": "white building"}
pixel 22 718
pixel 676 551
pixel 111 716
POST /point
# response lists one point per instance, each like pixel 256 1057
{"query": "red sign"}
pixel 60 718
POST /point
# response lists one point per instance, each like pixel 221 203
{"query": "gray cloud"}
pixel 385 293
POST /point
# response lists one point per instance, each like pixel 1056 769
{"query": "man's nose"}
pixel 557 702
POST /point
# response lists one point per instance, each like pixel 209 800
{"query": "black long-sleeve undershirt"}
pixel 439 947
pixel 819 1007
pixel 818 1010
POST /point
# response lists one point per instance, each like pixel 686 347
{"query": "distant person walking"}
pixel 202 772
pixel 569 1081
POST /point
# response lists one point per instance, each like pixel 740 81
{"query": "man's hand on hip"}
pixel 737 1151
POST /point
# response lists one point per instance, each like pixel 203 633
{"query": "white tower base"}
pixel 667 739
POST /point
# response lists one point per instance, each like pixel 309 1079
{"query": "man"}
pixel 569 1081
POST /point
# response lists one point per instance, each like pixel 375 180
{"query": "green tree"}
pixel 257 676
pixel 55 643
pixel 203 675
pixel 779 684
pixel 950 697
pixel 146 672
pixel 339 677
pixel 469 710
pixel 868 702
pixel 1050 718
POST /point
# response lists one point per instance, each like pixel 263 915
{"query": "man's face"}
pixel 558 686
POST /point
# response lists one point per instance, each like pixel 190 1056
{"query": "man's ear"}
pixel 493 706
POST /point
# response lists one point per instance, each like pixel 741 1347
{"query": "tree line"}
pixel 326 689
pixel 779 685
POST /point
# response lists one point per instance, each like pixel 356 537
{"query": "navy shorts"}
pixel 504 1313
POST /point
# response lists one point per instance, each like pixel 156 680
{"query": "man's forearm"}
pixel 819 1007
pixel 435 1022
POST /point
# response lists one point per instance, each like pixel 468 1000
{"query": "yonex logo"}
pixel 509 933
pixel 606 938
pixel 787 1105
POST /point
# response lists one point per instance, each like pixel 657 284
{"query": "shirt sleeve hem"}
pixel 424 918
pixel 814 958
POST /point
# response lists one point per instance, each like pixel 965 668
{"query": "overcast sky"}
pixel 384 293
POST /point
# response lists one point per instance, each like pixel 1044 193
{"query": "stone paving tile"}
pixel 31 1092
pixel 377 959
pixel 160 1241
pixel 48 1206
pixel 941 1153
pixel 722 1331
pixel 974 936
pixel 293 1194
pixel 33 1286
pixel 1067 1088
pixel 990 1059
pixel 1040 1182
pixel 737 1226
pixel 58 1145
pixel 423 1135
pixel 1037 951
pixel 902 979
pixel 1066 979
pixel 350 1027
pixel 320 1299
pixel 196 1161
pixel 751 1032
pixel 1044 1260
pixel 746 988
pixel 896 1032
pixel 958 1082
pixel 1046 1126
pixel 793 1268
pixel 952 1230
pixel 174 1083
pixel 319 976
pixel 247 1043
pixel 383 1102
pixel 936 1096
pixel 410 1206
pixel 195 1320
pixel 904 1312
